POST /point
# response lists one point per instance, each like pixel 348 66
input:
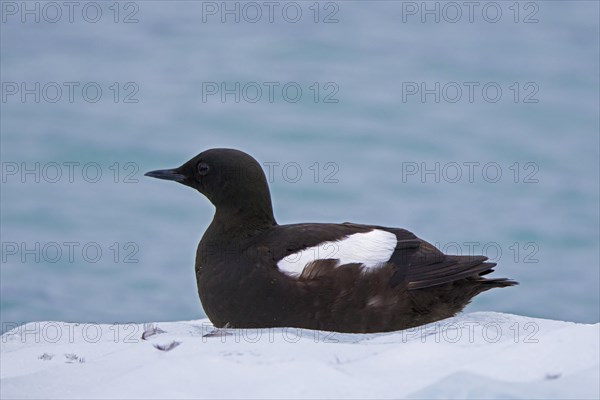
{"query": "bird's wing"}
pixel 427 266
pixel 416 263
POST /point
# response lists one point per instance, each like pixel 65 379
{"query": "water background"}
pixel 365 145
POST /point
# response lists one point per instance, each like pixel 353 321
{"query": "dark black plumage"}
pixel 241 286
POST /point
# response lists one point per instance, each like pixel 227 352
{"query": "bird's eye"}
pixel 203 168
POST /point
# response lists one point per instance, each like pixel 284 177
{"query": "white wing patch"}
pixel 369 248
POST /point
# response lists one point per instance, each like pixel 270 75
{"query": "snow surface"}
pixel 477 355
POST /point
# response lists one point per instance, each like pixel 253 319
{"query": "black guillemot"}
pixel 253 273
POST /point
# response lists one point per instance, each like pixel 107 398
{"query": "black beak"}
pixel 167 174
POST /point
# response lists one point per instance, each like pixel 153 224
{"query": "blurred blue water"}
pixel 369 135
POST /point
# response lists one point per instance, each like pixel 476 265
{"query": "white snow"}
pixel 477 355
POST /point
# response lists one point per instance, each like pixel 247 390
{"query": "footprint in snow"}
pixel 167 347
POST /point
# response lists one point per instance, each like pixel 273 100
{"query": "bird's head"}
pixel 231 179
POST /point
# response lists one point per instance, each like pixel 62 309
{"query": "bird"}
pixel 252 272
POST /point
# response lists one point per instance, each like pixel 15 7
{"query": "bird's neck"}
pixel 241 220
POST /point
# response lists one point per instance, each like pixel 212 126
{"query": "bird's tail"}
pixel 454 268
pixel 496 282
